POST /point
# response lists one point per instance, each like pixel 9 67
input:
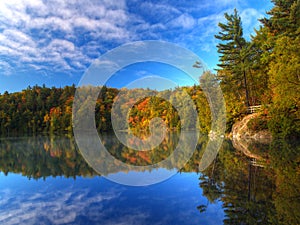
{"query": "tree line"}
pixel 40 109
pixel 261 71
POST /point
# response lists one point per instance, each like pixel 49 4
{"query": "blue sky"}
pixel 53 42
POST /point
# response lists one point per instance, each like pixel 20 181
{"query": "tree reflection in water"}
pixel 253 192
pixel 249 193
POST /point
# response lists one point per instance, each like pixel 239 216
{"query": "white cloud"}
pixel 18 36
pixel 184 21
pixel 70 34
pixel 13 13
pixel 64 207
pixel 50 23
pixel 9 51
pixel 6 67
pixel 250 21
pixel 51 31
pixel 159 11
pixel 60 45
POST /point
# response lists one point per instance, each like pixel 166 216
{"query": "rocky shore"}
pixel 241 131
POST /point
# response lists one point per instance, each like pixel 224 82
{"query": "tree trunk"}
pixel 246 89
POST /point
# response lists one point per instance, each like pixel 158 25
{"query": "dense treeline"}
pixel 35 110
pixel 42 109
pixel 265 70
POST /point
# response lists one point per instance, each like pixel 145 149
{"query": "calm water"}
pixel 45 180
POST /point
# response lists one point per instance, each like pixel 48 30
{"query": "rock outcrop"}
pixel 244 138
pixel 240 131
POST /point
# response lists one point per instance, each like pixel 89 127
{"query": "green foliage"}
pixel 285 158
pixel 280 53
pixel 285 82
pixel 251 194
pixel 270 63
pixel 258 124
pixel 234 52
pixel 36 110
pixel 42 109
pixel 284 18
pixel 284 122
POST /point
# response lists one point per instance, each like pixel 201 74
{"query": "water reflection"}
pixel 41 157
pixel 249 192
pixel 252 192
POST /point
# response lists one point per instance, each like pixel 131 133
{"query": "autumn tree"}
pixel 283 56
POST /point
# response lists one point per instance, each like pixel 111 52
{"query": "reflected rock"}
pixel 241 130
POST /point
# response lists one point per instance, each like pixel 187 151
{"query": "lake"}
pixel 46 180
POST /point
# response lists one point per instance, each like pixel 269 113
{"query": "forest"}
pixel 49 110
pixel 263 69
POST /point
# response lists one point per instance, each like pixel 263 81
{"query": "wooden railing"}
pixel 254 108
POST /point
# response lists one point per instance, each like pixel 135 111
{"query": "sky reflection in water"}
pixel 44 180
pixel 98 201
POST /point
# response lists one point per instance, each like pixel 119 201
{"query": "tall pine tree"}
pixel 234 51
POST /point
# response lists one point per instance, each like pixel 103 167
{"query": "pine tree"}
pixel 284 18
pixel 234 52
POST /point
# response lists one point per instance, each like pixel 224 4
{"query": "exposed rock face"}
pixel 243 137
pixel 240 131
pixel 243 146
